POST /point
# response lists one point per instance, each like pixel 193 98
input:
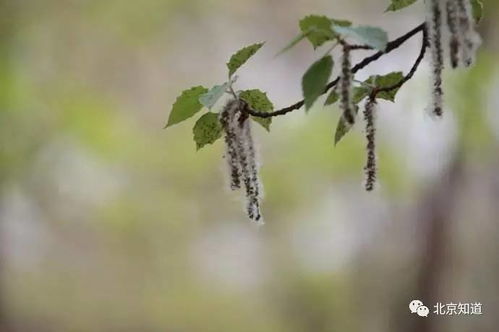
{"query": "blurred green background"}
pixel 110 223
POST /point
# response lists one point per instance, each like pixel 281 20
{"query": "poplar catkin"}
pixel 241 156
pixel 370 167
pixel 227 118
pixel 455 43
pixel 346 80
pixel 434 25
pixel 471 39
pixel 249 169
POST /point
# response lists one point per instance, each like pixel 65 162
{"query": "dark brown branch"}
pixel 364 63
pixel 424 46
pixel 360 47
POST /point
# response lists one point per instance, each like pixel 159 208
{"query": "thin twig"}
pixel 365 62
pixel 360 47
pixel 424 46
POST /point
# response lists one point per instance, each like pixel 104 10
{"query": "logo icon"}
pixel 417 307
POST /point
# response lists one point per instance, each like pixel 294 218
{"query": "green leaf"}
pixel 385 81
pixel 359 93
pixel 207 130
pixel 341 23
pixel 293 43
pixel 317 29
pixel 477 7
pixel 186 105
pixel 366 35
pixel 264 122
pixel 258 101
pixel 240 57
pixel 343 127
pixel 399 4
pixel 210 98
pixel 332 98
pixel 315 80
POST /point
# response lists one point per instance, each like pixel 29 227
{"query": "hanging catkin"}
pixel 434 25
pixel 227 118
pixel 455 43
pixel 250 172
pixel 241 156
pixel 346 80
pixel 471 39
pixel 370 167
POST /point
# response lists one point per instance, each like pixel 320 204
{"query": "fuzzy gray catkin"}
pixel 370 167
pixel 470 38
pixel 241 156
pixel 434 25
pixel 346 79
pixel 227 119
pixel 250 173
pixel 456 42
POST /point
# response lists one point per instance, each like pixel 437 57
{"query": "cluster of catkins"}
pixel 463 44
pixel 241 156
pixel 464 40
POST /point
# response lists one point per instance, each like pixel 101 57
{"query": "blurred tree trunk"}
pixel 438 207
pixel 436 222
pixel 4 325
pixel 7 29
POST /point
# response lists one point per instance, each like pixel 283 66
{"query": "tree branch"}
pixel 362 64
pixel 424 46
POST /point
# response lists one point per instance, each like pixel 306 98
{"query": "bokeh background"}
pixel 110 223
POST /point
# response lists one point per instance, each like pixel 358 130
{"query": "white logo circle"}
pixel 414 305
pixel 423 311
